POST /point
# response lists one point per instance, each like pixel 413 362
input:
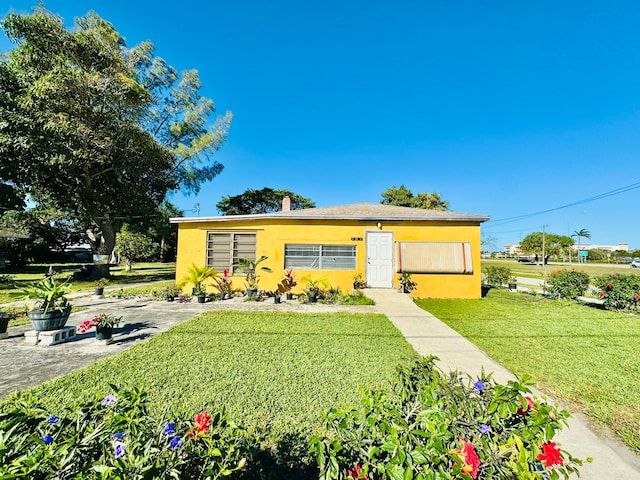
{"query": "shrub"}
pixel 335 296
pixel 497 276
pixel 6 278
pixel 406 282
pixel 431 426
pixel 114 437
pixel 567 283
pixel 619 292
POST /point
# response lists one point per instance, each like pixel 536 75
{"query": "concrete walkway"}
pixel 430 336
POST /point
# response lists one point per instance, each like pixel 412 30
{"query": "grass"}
pixel 142 272
pixel 274 372
pixel 536 271
pixel 586 357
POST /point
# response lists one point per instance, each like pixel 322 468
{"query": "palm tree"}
pixel 581 233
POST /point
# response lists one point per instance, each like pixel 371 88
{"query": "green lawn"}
pixel 273 372
pixel 536 271
pixel 587 357
pixel 142 272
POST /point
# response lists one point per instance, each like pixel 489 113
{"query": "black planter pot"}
pixel 485 290
pixel 4 324
pixel 289 296
pixel 251 292
pixel 52 320
pixel 104 333
pixel 202 298
pixel 513 286
pixel 312 299
pixel 276 299
pixel 99 291
pixel 170 298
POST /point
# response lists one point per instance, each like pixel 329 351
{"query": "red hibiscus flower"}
pixel 202 422
pixel 470 459
pixel 609 285
pixel 550 454
pixel 524 409
pixel 356 473
pixel 601 294
pixel 636 297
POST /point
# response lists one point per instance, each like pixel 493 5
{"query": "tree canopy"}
pixel 553 244
pixel 96 129
pixel 266 200
pixel 403 197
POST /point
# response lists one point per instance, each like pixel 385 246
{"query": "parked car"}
pixel 635 263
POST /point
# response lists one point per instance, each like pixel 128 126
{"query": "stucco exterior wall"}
pixel 273 234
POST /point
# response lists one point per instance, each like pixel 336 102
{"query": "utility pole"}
pixel 544 263
pixel 197 209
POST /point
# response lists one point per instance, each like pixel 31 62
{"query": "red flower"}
pixel 524 410
pixel 601 294
pixel 609 285
pixel 470 459
pixel 356 473
pixel 636 297
pixel 202 422
pixel 550 454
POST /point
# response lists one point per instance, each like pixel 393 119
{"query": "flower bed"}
pixel 431 426
pixel 114 437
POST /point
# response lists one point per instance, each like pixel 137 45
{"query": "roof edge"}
pixel 462 217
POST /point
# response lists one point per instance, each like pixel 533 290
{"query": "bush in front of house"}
pixel 430 426
pixel 497 276
pixel 567 283
pixel 619 292
pixel 335 296
pixel 114 437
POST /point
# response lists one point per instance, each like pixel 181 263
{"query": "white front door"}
pixel 380 259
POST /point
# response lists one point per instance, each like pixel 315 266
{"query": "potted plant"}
pixel 196 276
pixel 170 292
pixel 224 285
pixel 250 268
pixel 100 284
pixel 358 282
pixel 287 283
pixel 313 289
pixel 104 324
pixel 6 315
pixel 51 308
pixel 406 283
pixel 513 283
pixel 200 292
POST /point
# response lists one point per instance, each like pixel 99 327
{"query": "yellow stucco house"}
pixel 440 249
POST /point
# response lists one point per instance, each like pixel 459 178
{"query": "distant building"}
pixel 511 249
pixel 612 248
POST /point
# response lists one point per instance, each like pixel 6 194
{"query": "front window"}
pixel 225 249
pixel 320 257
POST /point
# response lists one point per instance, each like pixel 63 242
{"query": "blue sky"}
pixel 504 108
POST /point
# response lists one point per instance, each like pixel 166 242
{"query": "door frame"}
pixel 366 255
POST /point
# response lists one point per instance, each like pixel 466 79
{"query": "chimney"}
pixel 286 204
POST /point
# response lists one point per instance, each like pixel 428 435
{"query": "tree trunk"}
pixel 102 243
pixel 163 248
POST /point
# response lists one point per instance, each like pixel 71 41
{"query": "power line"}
pixel 617 191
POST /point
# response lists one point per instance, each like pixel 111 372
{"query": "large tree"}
pixel 404 197
pixel 96 129
pixel 266 200
pixel 553 244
